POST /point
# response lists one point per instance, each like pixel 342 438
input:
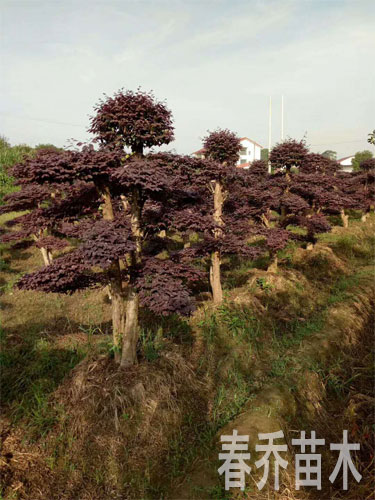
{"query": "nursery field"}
pixel 288 349
pixel 155 304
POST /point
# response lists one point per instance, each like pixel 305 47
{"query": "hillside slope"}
pixel 288 350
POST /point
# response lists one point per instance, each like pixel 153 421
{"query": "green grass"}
pixel 248 331
pixel 217 492
pixel 344 287
pixel 357 247
pixel 279 367
pixel 231 396
pixel 4 218
pixel 12 280
pixel 244 350
pixel 208 327
pixel 173 327
pixel 239 323
pixel 237 386
pixel 297 330
pixel 31 371
pixel 332 376
pixel 151 344
pixel 264 285
pixel 235 270
pixel 300 329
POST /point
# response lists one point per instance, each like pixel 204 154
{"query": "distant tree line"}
pixel 9 156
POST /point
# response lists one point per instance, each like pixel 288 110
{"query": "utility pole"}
pixel 282 117
pixel 269 134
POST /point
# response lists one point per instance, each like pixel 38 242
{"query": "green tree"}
pixel 264 154
pixel 328 153
pixel 371 137
pixel 4 143
pixel 8 157
pixel 359 157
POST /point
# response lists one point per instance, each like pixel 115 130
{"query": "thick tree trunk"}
pixel 283 212
pixel 118 318
pixel 115 289
pixel 215 272
pixel 344 218
pixel 131 331
pixel 364 217
pixel 215 278
pixel 135 221
pixel 265 221
pixel 47 257
pixel 124 202
pixel 283 216
pixel 272 268
pixel 108 213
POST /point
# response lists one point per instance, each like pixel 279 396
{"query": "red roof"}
pixel 200 151
pixel 244 165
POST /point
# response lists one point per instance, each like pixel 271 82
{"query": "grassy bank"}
pixel 74 427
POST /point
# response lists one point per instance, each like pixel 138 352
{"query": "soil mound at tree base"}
pixel 319 261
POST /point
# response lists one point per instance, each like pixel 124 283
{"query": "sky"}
pixel 215 63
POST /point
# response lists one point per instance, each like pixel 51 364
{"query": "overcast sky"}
pixel 215 63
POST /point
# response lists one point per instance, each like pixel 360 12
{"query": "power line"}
pixel 82 126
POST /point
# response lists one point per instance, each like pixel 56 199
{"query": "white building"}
pixel 346 164
pixel 250 151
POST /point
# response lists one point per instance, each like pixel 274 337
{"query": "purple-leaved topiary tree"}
pixel 223 147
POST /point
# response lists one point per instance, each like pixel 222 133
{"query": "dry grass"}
pixel 267 359
pixel 324 397
pixel 19 461
pixel 116 429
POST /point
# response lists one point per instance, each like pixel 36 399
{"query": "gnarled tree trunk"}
pixel 284 213
pixel 215 278
pixel 46 254
pixel 108 213
pixel 47 257
pixel 215 272
pixel 115 289
pixel 118 311
pixel 131 331
pixel 265 220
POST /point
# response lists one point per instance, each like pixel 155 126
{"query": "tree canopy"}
pixel 133 119
pixel 359 157
pixel 105 217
